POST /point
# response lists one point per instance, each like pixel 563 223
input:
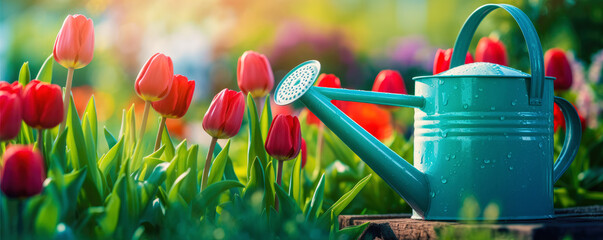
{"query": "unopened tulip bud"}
pixel 557 65
pixel 155 78
pixel 22 174
pixel 491 50
pixel 442 60
pixel 254 74
pixel 42 105
pixel 284 138
pixel 225 114
pixel 74 45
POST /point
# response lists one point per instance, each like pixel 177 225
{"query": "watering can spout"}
pixel 410 183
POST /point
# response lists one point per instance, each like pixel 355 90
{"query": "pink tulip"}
pixel 155 78
pixel 254 74
pixel 74 45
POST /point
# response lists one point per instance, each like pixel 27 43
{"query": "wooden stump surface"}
pixel 576 223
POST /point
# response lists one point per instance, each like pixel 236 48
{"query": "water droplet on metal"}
pixel 540 145
pixel 509 155
pixel 448 157
pixel 441 82
pixel 476 96
pixel 453 156
pixel 492 108
pixel 444 133
pixel 486 161
pixel 511 168
pixel 432 194
pixel 455 87
pixel 444 181
pixel 502 118
pixel 514 102
pixel 483 166
pixel 465 106
pixel 481 89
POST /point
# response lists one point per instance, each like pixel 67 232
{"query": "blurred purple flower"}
pixel 295 43
pixel 578 72
pixel 413 51
pixel 596 67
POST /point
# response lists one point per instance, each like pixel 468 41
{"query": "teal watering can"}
pixel 483 133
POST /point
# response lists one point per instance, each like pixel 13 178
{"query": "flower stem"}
pixel 145 115
pixel 279 176
pixel 41 145
pixel 20 210
pixel 319 143
pixel 66 98
pixel 210 153
pixel 160 133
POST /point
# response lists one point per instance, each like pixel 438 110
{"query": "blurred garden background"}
pixel 352 39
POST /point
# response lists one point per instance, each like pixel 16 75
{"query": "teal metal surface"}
pixel 483 134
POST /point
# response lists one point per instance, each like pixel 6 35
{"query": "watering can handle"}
pixel 573 134
pixel 531 37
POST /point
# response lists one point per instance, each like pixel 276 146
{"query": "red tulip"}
pixel 10 115
pixel 42 105
pixel 329 81
pixel 178 100
pixel 254 74
pixel 155 78
pixel 373 119
pixel 23 172
pixel 304 153
pixel 559 119
pixel 491 50
pixel 557 65
pixel 284 138
pixel 15 87
pixel 225 114
pixel 389 81
pixel 442 60
pixel 74 45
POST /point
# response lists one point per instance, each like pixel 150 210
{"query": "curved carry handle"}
pixel 573 134
pixel 531 37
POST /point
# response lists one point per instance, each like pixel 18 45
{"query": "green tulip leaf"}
pixel 58 154
pixel 269 179
pixel 111 141
pixel 266 118
pixel 174 197
pixel 256 179
pixel 212 192
pixel 217 167
pixel 109 162
pixel 166 140
pixel 24 74
pixel 45 73
pixel 337 207
pixel 256 145
pixel 317 199
pixel 351 233
pixel 191 186
pixel 107 222
pixel 25 135
pixel 82 158
pixel 48 216
pixel 89 120
pixel 287 205
pixel 295 184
